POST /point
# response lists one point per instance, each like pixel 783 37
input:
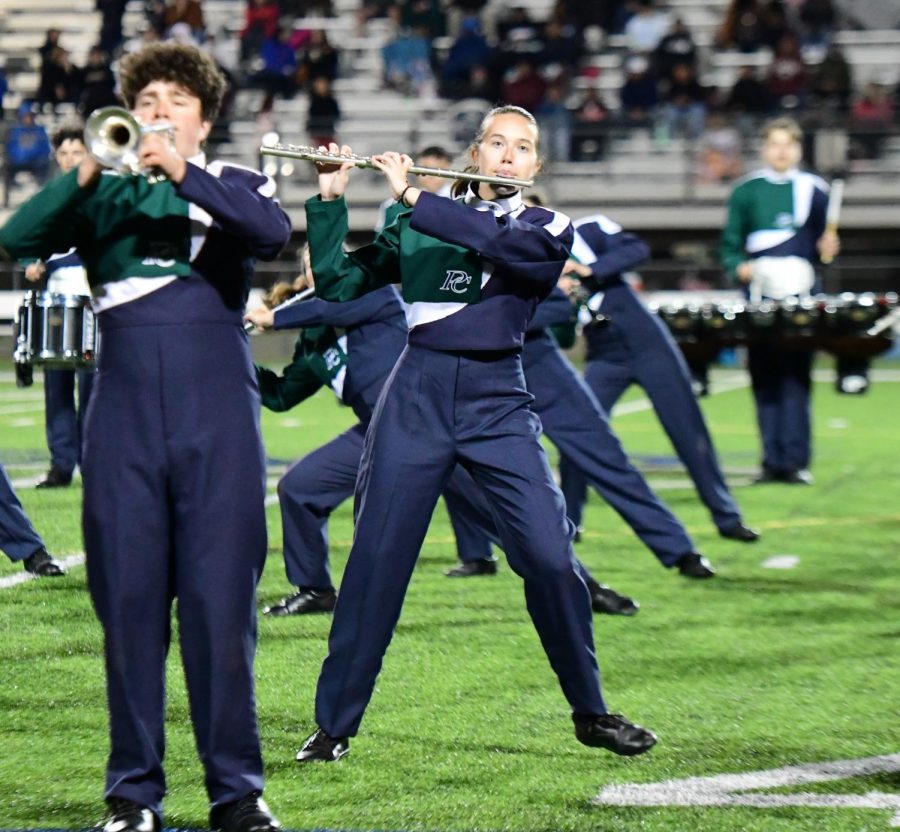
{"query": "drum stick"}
pixel 833 213
pixel 307 293
pixel 884 323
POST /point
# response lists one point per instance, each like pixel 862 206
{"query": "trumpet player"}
pixel 175 411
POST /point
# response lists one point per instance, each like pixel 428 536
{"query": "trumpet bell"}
pixel 112 136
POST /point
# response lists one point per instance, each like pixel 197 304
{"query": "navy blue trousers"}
pixel 174 490
pixel 65 420
pixel 781 381
pixel 658 366
pixel 437 410
pixel 18 539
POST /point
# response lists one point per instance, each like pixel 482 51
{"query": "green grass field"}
pixel 757 669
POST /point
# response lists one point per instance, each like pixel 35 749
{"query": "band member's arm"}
pixel 536 252
pixel 732 252
pixel 47 223
pixel 554 310
pixel 343 276
pixel 296 383
pixel 614 252
pixel 316 312
pixel 243 202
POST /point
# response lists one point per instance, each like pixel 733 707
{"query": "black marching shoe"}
pixel 608 602
pixel 305 601
pixel 740 532
pixel 319 747
pixel 614 733
pixel 128 816
pixel 249 814
pixel 42 565
pixel 485 566
pixel 767 475
pixel 694 565
pixel 56 478
pixel 801 477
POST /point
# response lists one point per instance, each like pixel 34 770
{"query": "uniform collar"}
pixel 199 160
pixel 780 178
pixel 506 205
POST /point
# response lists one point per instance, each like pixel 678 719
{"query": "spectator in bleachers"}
pixel 748 100
pixel 98 83
pixel 407 62
pixel 278 75
pixel 639 95
pixel 482 84
pixel 832 81
pixel 683 101
pixel 609 15
pixel 51 41
pixel 518 36
pixel 523 86
pixel 787 78
pixel 677 47
pixel 562 48
pixel 776 24
pixel 555 120
pixel 184 11
pixel 742 27
pixel 27 149
pixel 260 24
pixel 817 19
pixel 427 15
pixel 591 127
pixel 111 14
pixel 719 157
pixel 323 114
pixel 60 80
pixel 469 49
pixel 646 27
pixel 871 117
pixel 318 58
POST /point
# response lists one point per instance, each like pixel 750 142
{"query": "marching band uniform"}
pixel 65 421
pixel 173 415
pixel 574 422
pixel 18 539
pixel 634 346
pixel 775 221
pixel 472 273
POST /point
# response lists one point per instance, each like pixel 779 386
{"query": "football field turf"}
pixel 786 665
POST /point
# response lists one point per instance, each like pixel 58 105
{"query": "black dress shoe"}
pixel 800 477
pixel 56 478
pixel 609 602
pixel 128 816
pixel 249 814
pixel 768 475
pixel 319 747
pixel 694 565
pixel 486 566
pixel 613 732
pixel 42 565
pixel 305 601
pixel 740 532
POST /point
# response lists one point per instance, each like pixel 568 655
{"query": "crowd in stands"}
pixel 464 50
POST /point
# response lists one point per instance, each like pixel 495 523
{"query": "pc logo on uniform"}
pixel 456 282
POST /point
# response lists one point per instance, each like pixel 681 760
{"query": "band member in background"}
pixel 433 156
pixel 771 244
pixel 174 414
pixel 630 345
pixel 18 539
pixel 472 271
pixel 65 276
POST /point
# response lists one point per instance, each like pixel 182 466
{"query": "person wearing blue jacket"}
pixel 174 415
pixel 472 271
pixel 632 346
pixel 573 420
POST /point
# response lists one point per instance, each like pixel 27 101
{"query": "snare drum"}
pixel 847 319
pixel 56 331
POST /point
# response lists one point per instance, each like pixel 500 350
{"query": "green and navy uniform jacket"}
pixel 134 237
pixel 349 347
pixel 774 215
pixel 471 272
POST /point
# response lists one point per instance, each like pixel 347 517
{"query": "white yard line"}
pixel 737 789
pixel 23 576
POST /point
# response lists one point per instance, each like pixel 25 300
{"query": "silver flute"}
pixel 311 154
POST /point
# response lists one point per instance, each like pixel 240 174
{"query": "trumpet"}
pixel 112 136
pixel 311 154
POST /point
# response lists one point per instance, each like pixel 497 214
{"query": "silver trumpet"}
pixel 311 154
pixel 112 136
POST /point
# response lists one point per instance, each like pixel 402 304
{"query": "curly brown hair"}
pixel 181 64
